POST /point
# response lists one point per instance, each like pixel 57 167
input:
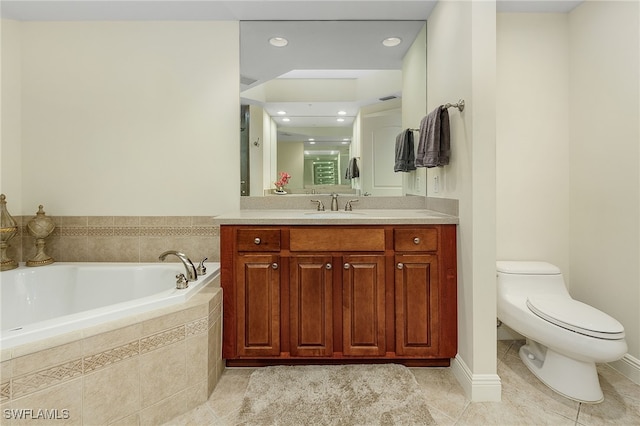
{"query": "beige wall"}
pixel 568 186
pixel 605 162
pixel 126 118
pixel 532 148
pixel 10 152
pixel 291 160
pixel 414 104
pixel 461 65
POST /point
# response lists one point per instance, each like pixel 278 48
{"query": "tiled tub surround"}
pixel 143 369
pixel 121 238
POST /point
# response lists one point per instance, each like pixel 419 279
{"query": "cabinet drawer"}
pixel 420 239
pixel 258 239
pixel 327 239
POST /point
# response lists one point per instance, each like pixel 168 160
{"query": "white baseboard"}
pixel 629 367
pixel 477 387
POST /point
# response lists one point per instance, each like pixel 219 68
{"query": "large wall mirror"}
pixel 324 100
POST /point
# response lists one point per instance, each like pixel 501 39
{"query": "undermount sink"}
pixel 333 215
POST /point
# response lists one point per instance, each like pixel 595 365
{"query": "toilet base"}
pixel 577 380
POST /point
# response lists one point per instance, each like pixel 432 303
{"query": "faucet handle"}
pixel 202 270
pixel 320 205
pixel 347 206
pixel 182 282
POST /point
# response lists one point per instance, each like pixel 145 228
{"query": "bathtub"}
pixel 47 301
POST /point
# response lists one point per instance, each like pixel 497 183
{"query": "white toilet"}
pixel 565 338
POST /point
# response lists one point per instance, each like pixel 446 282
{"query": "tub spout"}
pixel 192 275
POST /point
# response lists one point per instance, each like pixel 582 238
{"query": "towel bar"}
pixel 459 105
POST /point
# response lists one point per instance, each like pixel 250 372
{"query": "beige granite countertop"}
pixel 355 217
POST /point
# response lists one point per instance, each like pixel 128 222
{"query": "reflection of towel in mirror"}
pixel 434 145
pixel 405 156
pixel 352 170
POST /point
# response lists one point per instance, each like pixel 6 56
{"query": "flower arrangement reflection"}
pixel 280 183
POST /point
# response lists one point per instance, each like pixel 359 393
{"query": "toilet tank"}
pixel 528 278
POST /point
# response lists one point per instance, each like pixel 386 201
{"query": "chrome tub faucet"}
pixel 192 274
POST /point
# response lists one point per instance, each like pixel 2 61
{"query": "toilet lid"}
pixel 576 316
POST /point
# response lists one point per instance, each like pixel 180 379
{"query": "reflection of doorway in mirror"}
pixel 244 151
pixel 325 173
pixel 379 131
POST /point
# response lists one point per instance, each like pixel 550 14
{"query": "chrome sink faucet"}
pixel 320 207
pixel 334 202
pixel 348 207
pixel 192 274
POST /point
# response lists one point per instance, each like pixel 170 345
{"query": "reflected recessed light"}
pixel 282 112
pixel 312 143
pixel 286 119
pixel 311 139
pixel 345 143
pixel 340 119
pixel 342 113
pixel 278 41
pixel 391 41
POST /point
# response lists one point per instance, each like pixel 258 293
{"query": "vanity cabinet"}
pixel 311 305
pixel 339 293
pixel 363 306
pixel 258 297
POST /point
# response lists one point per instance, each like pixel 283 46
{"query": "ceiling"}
pixel 61 10
pixel 215 9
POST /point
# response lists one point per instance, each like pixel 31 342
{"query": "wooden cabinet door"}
pixel 258 305
pixel 311 302
pixel 416 305
pixel 363 305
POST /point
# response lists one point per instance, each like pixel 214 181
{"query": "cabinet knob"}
pixel 274 265
pixel 416 240
pixel 257 241
pixel 400 265
pixel 328 266
pixel 346 266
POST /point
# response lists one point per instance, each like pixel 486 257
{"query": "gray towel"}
pixel 405 155
pixel 434 145
pixel 352 170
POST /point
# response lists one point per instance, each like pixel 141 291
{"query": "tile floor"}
pixel 525 400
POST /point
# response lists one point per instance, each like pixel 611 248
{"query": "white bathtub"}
pixel 46 301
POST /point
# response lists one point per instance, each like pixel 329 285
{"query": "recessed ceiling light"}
pixel 345 143
pixel 286 119
pixel 311 139
pixel 278 41
pixel 345 139
pixel 282 112
pixel 340 119
pixel 312 143
pixel 342 113
pixel 391 41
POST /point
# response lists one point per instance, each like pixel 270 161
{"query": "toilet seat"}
pixel 576 316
